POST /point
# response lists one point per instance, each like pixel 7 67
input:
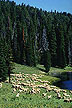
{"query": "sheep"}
pixel 20 90
pixel 66 100
pixel 59 96
pixel 64 91
pixel 48 88
pixel 24 84
pixel 49 97
pixel 25 89
pixel 17 95
pixel 34 75
pixel 46 82
pixel 37 90
pixel 53 86
pixel 66 95
pixel 70 99
pixel 0 85
pixel 70 91
pixel 16 86
pixel 33 91
pixel 44 94
pixel 57 90
pixel 14 90
pixel 6 81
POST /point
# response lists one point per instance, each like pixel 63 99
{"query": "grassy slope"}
pixel 8 98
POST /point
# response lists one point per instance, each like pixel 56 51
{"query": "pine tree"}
pixel 61 49
pixel 53 46
pixel 8 50
pixel 47 60
pixel 3 65
pixel 30 49
pixel 46 54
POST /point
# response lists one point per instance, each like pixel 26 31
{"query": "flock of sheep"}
pixel 33 84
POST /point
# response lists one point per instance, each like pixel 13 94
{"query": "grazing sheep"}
pixel 57 90
pixel 70 91
pixel 33 91
pixel 14 90
pixel 40 86
pixel 44 94
pixel 53 86
pixel 70 99
pixel 64 91
pixel 18 86
pixel 49 97
pixel 34 75
pixel 17 95
pixel 59 96
pixel 66 95
pixel 19 83
pixel 6 81
pixel 46 82
pixel 37 90
pixel 24 84
pixel 24 89
pixel 0 85
pixel 48 88
pixel 66 100
pixel 20 90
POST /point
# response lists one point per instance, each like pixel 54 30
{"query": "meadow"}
pixel 37 89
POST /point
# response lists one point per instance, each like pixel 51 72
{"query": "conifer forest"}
pixel 31 36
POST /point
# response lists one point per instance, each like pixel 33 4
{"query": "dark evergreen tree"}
pixel 53 46
pixel 61 49
pixel 46 54
pixel 47 60
pixel 3 65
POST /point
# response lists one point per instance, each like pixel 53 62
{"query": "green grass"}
pixel 25 100
pixel 25 69
pixel 8 99
pixel 59 70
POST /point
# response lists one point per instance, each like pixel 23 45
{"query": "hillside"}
pixel 36 90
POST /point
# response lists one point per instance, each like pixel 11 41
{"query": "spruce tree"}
pixel 47 60
pixel 3 65
pixel 46 54
pixel 53 46
pixel 61 47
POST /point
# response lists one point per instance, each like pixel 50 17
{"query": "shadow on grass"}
pixel 43 70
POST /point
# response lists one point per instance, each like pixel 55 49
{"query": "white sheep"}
pixel 59 96
pixel 17 95
pixel 49 97
pixel 44 94
pixel 0 85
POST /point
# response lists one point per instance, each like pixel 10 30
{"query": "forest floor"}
pixel 31 87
